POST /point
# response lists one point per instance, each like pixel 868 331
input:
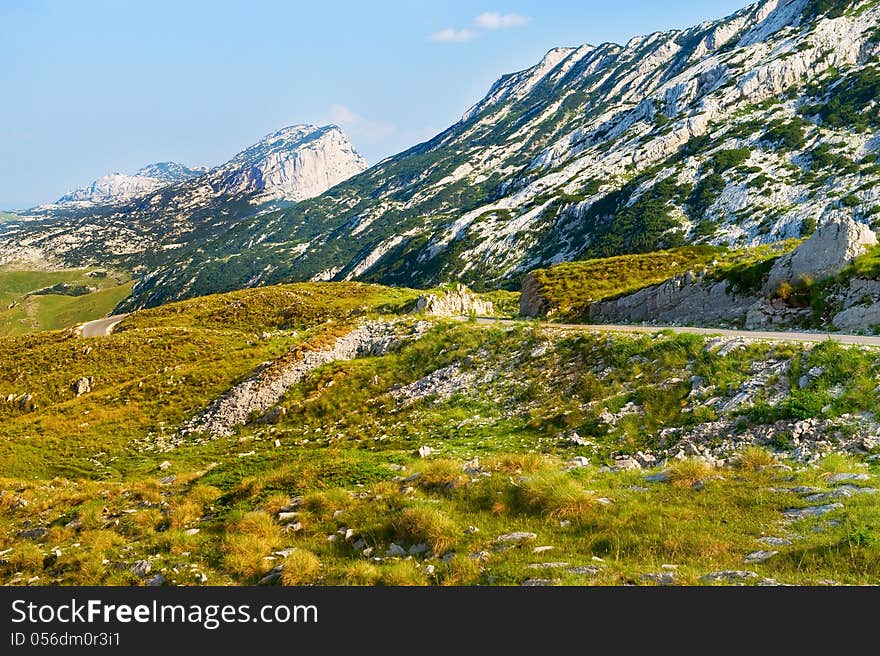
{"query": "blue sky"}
pixel 95 86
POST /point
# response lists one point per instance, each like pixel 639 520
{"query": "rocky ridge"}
pixel 118 187
pixel 260 393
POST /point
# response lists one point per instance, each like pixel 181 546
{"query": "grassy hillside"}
pixel 27 303
pixel 569 288
pixel 520 423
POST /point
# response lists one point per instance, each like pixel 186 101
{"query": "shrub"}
pixel 426 525
pixel 248 541
pixel 754 458
pixel 555 495
pixel 362 573
pixel 440 475
pixel 302 567
pixel 687 473
pixel 402 573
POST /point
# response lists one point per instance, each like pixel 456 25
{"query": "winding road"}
pixel 101 327
pixel 772 336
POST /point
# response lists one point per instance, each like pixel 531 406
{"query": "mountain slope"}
pixel 741 131
pixel 288 165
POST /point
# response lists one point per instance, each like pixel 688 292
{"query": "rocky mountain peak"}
pixel 294 163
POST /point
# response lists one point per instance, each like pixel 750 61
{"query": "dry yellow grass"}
pixel 687 473
pixel 302 567
pixel 426 525
pixel 754 458
pixel 248 541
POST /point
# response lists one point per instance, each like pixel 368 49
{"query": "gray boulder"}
pixel 826 253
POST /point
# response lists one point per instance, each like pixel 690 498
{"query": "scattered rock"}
pixel 659 477
pixel 728 576
pixel 842 492
pixel 559 565
pixel 844 477
pixel 775 542
pixel 168 480
pixel 164 465
pixel 395 550
pixel 273 577
pixel 156 580
pixel 517 536
pixel 83 385
pixel 759 556
pixel 425 451
pixel 543 549
pixel 32 533
pixel 660 578
pixel 141 568
pixel 812 511
pixel 584 570
pixel 534 583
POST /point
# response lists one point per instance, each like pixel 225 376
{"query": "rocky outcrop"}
pixel 455 302
pixel 83 385
pixel 856 305
pixel 686 299
pixel 531 301
pixel 831 248
pixel 265 389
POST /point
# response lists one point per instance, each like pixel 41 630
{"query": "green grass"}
pixel 88 468
pixel 23 311
pixel 864 266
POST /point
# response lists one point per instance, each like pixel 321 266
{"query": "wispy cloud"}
pixel 451 35
pixel 493 20
pixel 489 21
pixel 358 126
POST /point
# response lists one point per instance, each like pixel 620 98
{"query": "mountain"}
pixel 740 131
pixel 168 206
pixel 118 187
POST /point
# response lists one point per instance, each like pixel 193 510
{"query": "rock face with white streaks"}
pixel 295 163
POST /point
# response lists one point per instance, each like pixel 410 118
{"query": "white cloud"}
pixel 358 126
pixel 451 35
pixel 496 21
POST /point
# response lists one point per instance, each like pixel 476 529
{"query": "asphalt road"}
pixel 772 336
pixel 101 327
